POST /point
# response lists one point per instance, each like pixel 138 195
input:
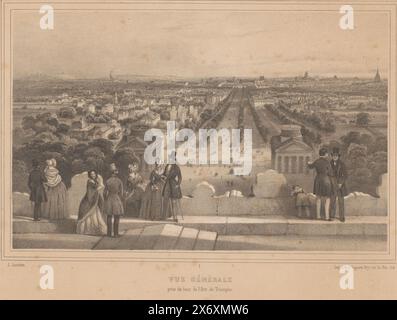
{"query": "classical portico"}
pixel 292 163
pixel 290 155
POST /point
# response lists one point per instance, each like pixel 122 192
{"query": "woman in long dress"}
pixel 90 220
pixel 134 191
pixel 152 203
pixel 56 206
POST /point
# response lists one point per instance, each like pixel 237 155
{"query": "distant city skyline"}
pixel 88 45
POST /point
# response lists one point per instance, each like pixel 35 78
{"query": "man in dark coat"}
pixel 322 183
pixel 37 191
pixel 113 206
pixel 172 192
pixel 338 181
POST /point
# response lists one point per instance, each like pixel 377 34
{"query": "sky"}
pixel 89 44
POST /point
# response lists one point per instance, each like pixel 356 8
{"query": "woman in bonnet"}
pixel 56 206
pixel 91 218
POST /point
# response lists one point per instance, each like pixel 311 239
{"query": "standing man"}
pixel 37 191
pixel 322 183
pixel 338 182
pixel 113 207
pixel 172 192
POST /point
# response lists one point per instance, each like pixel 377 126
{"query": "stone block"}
pixel 270 184
pixel 362 204
pixel 253 206
pixel 21 205
pixel 202 202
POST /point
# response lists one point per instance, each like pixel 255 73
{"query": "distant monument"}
pixel 377 76
pixel 116 99
pixel 306 75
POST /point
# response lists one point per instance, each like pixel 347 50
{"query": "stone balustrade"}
pixel 270 197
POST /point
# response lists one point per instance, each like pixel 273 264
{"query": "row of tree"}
pixel 217 114
pixel 263 131
pixel 310 119
pixel 309 137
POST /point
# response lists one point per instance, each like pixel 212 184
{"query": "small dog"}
pixel 302 201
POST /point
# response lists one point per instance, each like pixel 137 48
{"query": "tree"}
pixel 366 139
pixel 19 135
pixel 94 152
pixel 77 151
pixel 380 144
pixel 58 147
pixel 63 128
pixel 360 180
pixel 329 125
pixel 47 137
pixel 20 176
pixel 362 119
pixel 28 122
pixel 122 158
pixel 105 145
pixel 67 140
pixel 165 115
pixel 67 112
pixel 79 111
pixel 356 156
pixel 53 122
pixel 78 166
pixel 351 137
pixel 377 163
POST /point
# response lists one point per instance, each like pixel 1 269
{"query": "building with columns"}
pixel 290 155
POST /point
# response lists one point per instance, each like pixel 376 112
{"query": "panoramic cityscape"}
pixel 90 124
pixel 312 114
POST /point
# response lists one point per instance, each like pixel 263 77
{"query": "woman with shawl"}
pixel 90 219
pixel 56 206
pixel 152 203
pixel 134 191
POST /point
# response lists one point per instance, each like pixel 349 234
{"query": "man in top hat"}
pixel 37 191
pixel 322 183
pixel 113 206
pixel 338 181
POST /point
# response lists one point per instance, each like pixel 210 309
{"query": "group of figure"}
pixel 106 201
pixel 47 191
pixel 159 201
pixel 329 187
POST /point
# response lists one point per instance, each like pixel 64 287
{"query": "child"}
pixel 302 201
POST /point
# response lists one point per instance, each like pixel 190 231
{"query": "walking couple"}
pixel 102 206
pixel 47 191
pixel 99 201
pixel 163 193
pixel 329 184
